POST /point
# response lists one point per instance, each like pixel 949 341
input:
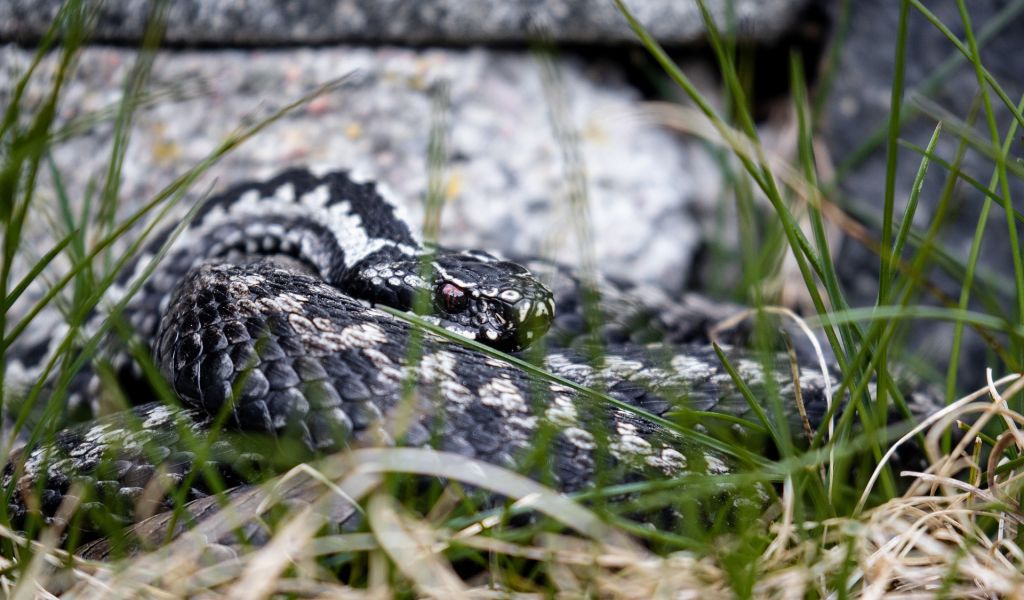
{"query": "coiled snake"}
pixel 268 328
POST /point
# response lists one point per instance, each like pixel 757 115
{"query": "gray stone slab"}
pixel 274 22
pixel 860 104
pixel 507 188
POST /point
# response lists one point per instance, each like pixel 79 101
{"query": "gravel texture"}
pixel 507 184
pixel 273 22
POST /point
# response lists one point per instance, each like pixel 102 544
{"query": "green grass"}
pixel 834 502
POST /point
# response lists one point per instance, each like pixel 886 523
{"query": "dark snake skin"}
pixel 287 364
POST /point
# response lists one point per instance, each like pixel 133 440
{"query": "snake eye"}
pixel 452 299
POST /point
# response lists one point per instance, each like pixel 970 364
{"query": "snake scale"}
pixel 262 318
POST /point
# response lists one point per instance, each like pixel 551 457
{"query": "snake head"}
pixel 474 294
pixel 493 301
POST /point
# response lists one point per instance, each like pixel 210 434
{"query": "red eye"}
pixel 452 298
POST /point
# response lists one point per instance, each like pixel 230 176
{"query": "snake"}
pixel 264 316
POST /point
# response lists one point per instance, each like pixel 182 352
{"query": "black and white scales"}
pixel 262 312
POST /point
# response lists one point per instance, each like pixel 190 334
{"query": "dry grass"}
pixel 955 532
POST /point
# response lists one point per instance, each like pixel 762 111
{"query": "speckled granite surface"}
pixel 273 22
pixel 507 185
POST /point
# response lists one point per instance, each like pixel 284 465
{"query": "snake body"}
pixel 261 319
